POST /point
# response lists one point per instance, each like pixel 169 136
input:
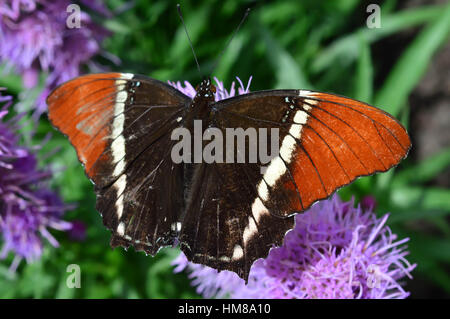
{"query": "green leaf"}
pixel 230 56
pixel 440 276
pixel 34 285
pixel 180 50
pixel 435 248
pixel 383 181
pixel 417 198
pixel 346 49
pixel 8 289
pixel 412 213
pixel 287 72
pixel 413 63
pixel 441 224
pixel 117 27
pixel 364 73
pixel 425 170
pixel 63 291
pixel 159 284
pixel 12 82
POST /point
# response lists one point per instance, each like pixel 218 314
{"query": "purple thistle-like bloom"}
pixel 368 202
pixel 12 8
pixel 27 207
pixel 34 37
pixel 221 92
pixel 334 251
pixel 77 231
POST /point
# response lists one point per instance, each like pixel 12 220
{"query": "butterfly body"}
pixel 228 212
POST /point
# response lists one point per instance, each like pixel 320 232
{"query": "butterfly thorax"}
pixel 201 103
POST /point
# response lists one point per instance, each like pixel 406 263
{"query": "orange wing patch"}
pixel 82 109
pixel 341 140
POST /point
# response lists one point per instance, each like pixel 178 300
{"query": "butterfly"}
pixel 223 215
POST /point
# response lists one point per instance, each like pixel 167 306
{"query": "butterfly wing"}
pixel 326 141
pixel 227 227
pixel 120 126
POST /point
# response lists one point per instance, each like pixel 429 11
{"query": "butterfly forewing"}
pixel 326 141
pixel 92 110
pixel 120 125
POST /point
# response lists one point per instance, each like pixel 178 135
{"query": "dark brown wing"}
pixel 238 211
pixel 120 125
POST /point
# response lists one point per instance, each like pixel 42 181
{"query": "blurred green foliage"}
pixel 321 45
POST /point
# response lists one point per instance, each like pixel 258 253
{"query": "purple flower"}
pixel 34 37
pixel 12 8
pixel 368 202
pixel 78 231
pixel 334 251
pixel 27 207
pixel 221 92
pixel 97 5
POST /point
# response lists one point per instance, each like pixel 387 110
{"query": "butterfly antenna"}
pixel 189 39
pixel 231 39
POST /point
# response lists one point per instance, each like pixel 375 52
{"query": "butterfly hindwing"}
pixel 120 125
pixel 226 225
pixel 144 202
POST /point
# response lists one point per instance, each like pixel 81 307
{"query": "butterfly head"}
pixel 206 89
